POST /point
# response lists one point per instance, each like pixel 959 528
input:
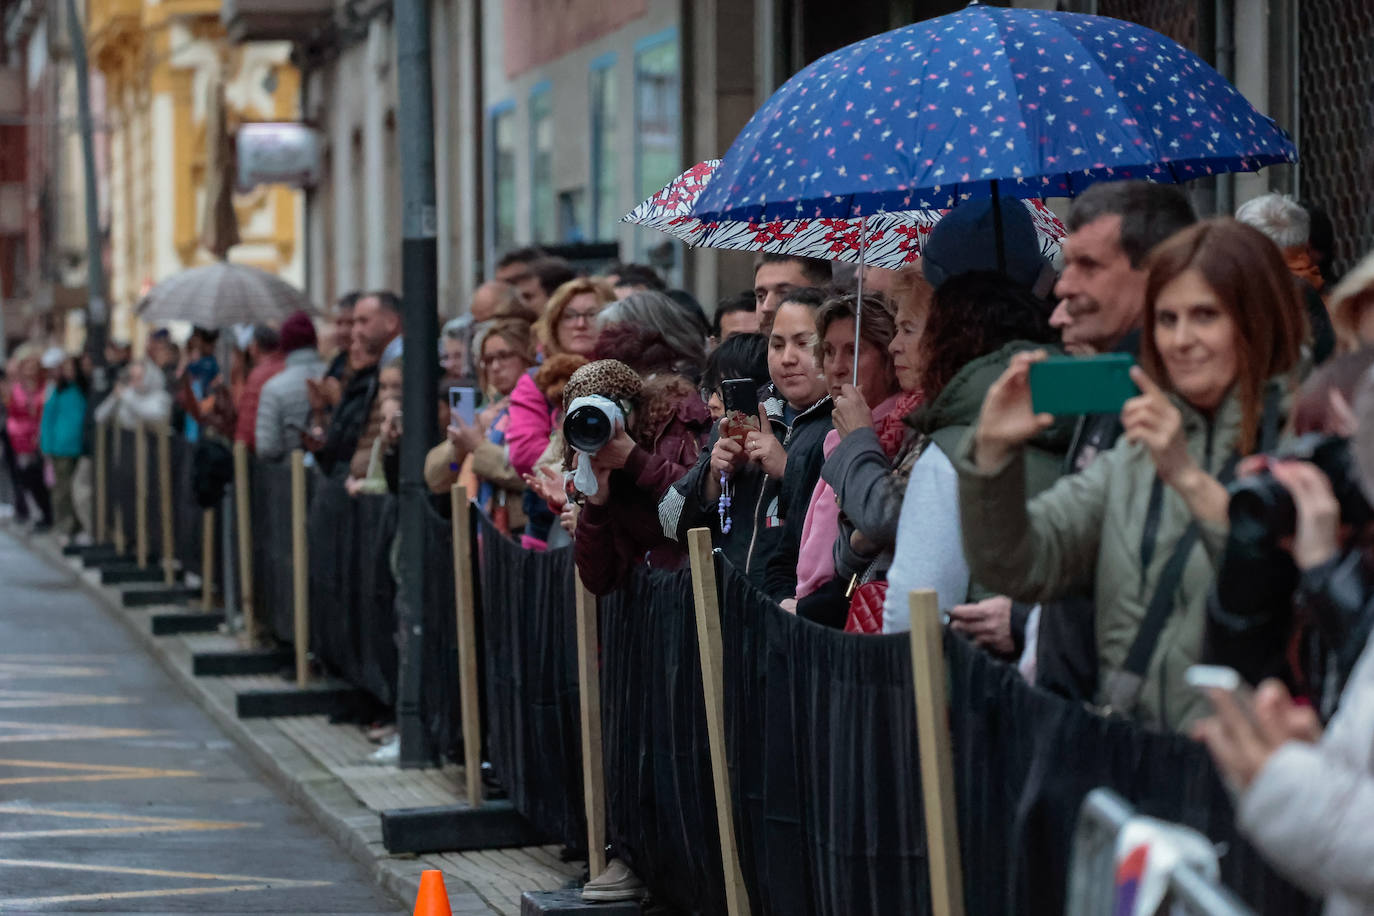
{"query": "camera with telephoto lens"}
pixel 1262 508
pixel 589 426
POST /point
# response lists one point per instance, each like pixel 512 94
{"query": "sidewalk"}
pixel 324 768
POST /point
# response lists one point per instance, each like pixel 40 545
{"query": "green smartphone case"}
pixel 1076 385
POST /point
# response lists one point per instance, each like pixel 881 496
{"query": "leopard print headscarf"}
pixel 609 378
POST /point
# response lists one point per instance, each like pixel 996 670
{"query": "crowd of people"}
pixel 847 447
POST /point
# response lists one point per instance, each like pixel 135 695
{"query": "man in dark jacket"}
pixel 770 477
pixel 376 332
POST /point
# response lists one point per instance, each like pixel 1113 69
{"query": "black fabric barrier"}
pixel 123 488
pixel 1025 759
pixel 187 522
pixel 821 734
pixel 273 588
pixel 154 497
pixel 440 707
pixel 352 595
pixel 534 730
pixel 660 803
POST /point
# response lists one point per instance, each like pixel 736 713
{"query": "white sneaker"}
pixel 388 753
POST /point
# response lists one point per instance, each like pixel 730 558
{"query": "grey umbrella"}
pixel 222 294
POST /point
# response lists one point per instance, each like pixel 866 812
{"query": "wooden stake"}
pixel 465 604
pixel 712 684
pixel 589 701
pixel 164 477
pixel 102 457
pixel 141 495
pixel 937 760
pixel 243 509
pixel 300 569
pixel 207 559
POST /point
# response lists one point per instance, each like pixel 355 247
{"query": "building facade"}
pixel 161 62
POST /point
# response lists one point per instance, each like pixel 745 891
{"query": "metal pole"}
pixel 97 310
pixel 419 256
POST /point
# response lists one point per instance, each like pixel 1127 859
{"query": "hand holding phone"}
pixel 462 402
pixel 741 399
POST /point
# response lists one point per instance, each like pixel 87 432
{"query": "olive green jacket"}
pixel 1088 531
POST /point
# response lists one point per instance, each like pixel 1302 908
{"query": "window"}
pixel 658 145
pixel 502 118
pixel 658 155
pixel 541 165
pixel 606 210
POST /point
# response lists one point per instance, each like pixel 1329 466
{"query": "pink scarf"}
pixel 816 555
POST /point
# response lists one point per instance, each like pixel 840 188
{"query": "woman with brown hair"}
pixel 569 325
pixel 1144 524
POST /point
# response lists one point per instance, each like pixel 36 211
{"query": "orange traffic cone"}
pixel 432 899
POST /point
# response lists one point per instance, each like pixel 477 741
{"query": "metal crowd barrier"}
pixel 1092 870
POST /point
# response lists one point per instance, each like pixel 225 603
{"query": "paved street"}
pixel 119 795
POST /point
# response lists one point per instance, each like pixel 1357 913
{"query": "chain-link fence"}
pixel 1336 127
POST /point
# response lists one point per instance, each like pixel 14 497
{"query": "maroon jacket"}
pixel 612 538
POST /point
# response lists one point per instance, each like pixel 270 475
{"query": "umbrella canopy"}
pixel 221 294
pixel 884 240
pixel 1044 104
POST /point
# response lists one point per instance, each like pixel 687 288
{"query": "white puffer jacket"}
pixel 1311 809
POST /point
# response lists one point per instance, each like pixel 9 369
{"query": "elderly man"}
pixel 1289 226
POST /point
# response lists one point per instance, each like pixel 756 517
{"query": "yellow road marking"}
pixel 13 671
pixel 242 883
pixel 38 699
pixel 23 903
pixel 134 824
pixel 52 731
pixel 84 772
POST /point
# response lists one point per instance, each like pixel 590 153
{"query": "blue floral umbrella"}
pixel 1013 102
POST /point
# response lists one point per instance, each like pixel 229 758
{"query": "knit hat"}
pixel 965 240
pixel 298 333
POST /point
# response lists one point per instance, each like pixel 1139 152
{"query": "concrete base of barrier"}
pixel 127 573
pixel 177 624
pixel 456 828
pixel 102 558
pixel 88 550
pixel 234 664
pixel 560 903
pixel 149 596
pixel 326 699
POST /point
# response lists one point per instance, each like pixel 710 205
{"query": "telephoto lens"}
pixel 588 427
pixel 1261 507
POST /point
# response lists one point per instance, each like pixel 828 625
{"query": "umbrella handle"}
pixel 859 296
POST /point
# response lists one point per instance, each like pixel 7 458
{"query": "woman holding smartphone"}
pixel 1148 518
pixel 505 353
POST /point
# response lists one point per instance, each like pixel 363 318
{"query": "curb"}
pixel 291 770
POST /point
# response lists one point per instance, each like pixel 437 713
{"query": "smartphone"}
pixel 741 399
pixel 1220 677
pixel 462 402
pixel 1072 385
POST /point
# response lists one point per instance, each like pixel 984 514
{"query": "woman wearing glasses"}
pixel 569 325
pixel 505 353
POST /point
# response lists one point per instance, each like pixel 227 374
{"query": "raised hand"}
pixel 851 411
pixel 1007 420
pixel 763 447
pixel 1151 419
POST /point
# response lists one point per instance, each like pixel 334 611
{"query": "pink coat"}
pixel 25 416
pixel 816 555
pixel 530 425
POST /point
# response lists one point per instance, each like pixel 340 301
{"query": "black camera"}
pixel 1262 508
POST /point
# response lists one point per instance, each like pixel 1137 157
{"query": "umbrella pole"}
pixel 859 295
pixel 997 229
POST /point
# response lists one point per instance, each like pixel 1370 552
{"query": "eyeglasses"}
pixel 572 316
pixel 494 358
